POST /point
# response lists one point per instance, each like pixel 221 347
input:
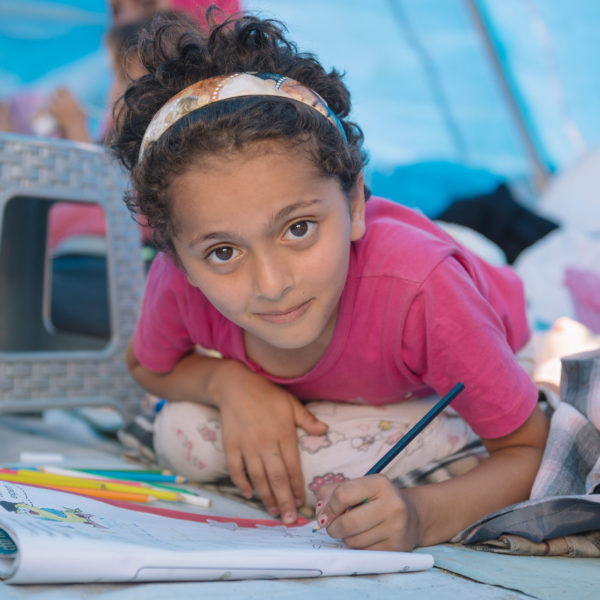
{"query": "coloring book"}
pixel 50 536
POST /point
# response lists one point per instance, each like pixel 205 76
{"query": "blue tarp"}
pixel 424 87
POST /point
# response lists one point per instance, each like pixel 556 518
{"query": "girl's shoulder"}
pixel 165 272
pixel 166 280
pixel 401 242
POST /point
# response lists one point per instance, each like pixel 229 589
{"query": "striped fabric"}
pixel 562 516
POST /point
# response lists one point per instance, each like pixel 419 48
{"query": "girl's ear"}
pixel 357 208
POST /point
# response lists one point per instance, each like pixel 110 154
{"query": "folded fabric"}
pixel 537 520
pixel 585 545
pixel 564 509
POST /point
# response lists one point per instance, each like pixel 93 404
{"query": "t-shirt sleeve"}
pixel 452 333
pixel 161 336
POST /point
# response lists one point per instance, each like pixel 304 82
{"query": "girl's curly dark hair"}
pixel 177 55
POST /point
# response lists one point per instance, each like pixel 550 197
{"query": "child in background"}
pixel 68 219
pixel 285 310
pixel 125 11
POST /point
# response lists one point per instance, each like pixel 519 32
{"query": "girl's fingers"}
pixel 258 476
pixel 359 522
pixel 235 466
pixel 369 513
pixel 347 494
pixel 291 459
pixel 372 531
pixel 378 538
pixel 307 421
pixel 324 492
pixel 280 485
pixel 271 482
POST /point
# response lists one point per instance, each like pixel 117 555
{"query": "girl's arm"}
pixel 387 518
pixel 259 421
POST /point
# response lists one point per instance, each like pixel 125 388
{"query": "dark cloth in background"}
pixel 501 219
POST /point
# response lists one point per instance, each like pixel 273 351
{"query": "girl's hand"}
pixel 369 513
pixel 259 421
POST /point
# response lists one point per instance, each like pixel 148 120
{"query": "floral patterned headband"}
pixel 207 91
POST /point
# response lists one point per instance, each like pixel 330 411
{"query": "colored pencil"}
pixel 115 471
pixel 103 494
pixel 73 473
pixel 410 435
pixel 84 473
pixel 118 479
pixel 114 479
pixel 82 482
pixel 36 477
pixel 163 486
pixel 415 430
pixel 136 476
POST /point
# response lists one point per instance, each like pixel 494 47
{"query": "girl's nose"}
pixel 272 277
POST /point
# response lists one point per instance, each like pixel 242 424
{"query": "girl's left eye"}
pixel 301 229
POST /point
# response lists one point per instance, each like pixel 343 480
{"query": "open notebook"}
pixel 49 536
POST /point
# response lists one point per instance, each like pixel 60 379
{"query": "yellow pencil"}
pixel 104 494
pixel 82 482
pixel 49 479
pixel 198 501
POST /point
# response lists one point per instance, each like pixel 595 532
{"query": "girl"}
pixel 278 285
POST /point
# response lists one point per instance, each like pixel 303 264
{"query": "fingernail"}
pixel 319 506
pixel 274 511
pixel 322 520
pixel 289 517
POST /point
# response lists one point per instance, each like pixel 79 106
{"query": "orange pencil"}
pixel 109 495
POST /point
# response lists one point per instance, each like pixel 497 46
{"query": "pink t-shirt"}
pixel 418 313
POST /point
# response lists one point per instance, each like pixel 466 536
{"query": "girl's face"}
pixel 266 237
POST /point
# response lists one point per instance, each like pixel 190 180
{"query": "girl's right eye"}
pixel 222 255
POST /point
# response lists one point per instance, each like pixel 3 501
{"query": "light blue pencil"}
pixel 136 476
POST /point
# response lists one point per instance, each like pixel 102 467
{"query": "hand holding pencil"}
pixel 371 512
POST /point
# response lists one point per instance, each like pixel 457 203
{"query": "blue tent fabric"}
pixel 423 86
pixel 431 186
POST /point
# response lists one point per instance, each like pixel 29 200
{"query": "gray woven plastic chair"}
pixel 42 366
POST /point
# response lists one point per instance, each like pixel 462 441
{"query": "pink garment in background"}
pixel 73 219
pixel 584 286
pixel 23 107
pixel 197 8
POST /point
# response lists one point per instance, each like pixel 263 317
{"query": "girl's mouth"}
pixel 286 316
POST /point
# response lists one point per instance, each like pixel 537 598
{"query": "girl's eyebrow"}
pixel 286 211
pixel 215 235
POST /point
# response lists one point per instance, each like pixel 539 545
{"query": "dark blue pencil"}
pixel 414 431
